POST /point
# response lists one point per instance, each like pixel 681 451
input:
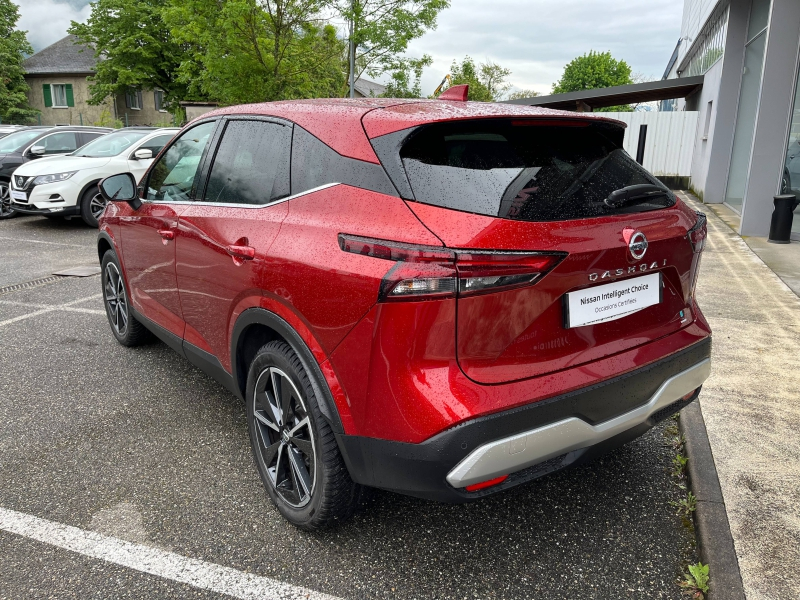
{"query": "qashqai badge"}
pixel 638 245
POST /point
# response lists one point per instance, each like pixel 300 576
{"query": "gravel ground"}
pixel 138 444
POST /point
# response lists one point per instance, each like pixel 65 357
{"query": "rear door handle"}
pixel 241 252
pixel 167 234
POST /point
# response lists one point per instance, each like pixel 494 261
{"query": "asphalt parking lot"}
pixel 137 445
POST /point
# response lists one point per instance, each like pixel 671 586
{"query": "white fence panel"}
pixel 669 142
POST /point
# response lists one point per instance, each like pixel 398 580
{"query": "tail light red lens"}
pixel 698 234
pixel 424 272
pixel 697 237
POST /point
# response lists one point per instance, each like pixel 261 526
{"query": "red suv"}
pixel 435 297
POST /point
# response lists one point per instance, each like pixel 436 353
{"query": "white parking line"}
pixel 41 242
pixel 167 565
pixel 67 306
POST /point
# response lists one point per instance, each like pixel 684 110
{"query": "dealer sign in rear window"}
pixel 611 301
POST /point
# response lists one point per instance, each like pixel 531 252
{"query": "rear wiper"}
pixel 634 194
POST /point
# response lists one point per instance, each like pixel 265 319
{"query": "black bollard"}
pixel 780 229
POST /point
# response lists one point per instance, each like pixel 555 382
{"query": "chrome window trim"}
pixel 235 205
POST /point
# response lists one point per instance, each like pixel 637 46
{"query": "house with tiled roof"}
pixel 59 88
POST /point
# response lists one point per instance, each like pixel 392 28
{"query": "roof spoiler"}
pixel 456 92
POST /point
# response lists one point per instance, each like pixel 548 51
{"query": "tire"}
pixel 6 211
pixel 92 206
pixel 124 326
pixel 294 448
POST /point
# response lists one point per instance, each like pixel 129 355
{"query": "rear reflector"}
pixel 424 272
pixel 485 484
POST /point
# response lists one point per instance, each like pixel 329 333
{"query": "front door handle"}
pixel 241 252
pixel 167 234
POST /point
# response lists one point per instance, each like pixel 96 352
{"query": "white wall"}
pixel 702 147
pixel 695 15
pixel 670 139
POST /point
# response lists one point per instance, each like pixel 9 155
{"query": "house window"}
pixel 158 96
pixel 59 95
pixel 133 99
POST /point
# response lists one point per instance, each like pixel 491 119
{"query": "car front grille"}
pixel 21 182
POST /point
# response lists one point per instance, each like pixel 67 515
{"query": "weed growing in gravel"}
pixel 686 507
pixel 695 583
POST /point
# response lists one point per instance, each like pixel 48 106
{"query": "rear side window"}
pixel 526 170
pixel 252 164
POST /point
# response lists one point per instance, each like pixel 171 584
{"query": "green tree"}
pixel 382 30
pixel 257 50
pixel 406 78
pixel 487 81
pixel 520 94
pixel 595 70
pixel 135 48
pixel 14 46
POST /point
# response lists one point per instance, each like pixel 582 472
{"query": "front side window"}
pixel 526 169
pixel 59 95
pixel 173 177
pixel 59 143
pixel 111 144
pixel 156 144
pixel 251 165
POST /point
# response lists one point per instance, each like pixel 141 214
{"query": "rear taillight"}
pixel 698 233
pixel 424 272
pixel 697 238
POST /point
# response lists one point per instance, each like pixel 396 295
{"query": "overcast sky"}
pixel 533 38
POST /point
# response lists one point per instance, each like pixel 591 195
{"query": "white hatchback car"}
pixel 66 185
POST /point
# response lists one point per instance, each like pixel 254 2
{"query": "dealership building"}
pixel 735 67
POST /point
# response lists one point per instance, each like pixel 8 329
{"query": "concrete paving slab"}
pixel 751 409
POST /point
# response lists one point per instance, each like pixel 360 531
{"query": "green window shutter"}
pixel 70 97
pixel 48 97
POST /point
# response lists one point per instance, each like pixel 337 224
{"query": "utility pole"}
pixel 352 49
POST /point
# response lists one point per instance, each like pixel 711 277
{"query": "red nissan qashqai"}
pixel 435 297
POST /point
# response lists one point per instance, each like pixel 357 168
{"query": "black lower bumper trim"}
pixel 420 469
pixel 67 211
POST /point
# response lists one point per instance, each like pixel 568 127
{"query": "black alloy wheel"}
pixel 6 210
pixel 92 206
pixel 124 324
pixel 294 448
pixel 285 441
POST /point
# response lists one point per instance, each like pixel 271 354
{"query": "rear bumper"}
pixel 532 440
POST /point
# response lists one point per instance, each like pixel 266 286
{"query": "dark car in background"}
pixel 35 143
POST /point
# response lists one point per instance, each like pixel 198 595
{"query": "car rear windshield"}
pixel 529 170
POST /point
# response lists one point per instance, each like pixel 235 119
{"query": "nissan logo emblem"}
pixel 638 245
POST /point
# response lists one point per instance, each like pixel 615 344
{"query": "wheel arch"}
pixel 104 244
pixel 256 327
pixel 85 188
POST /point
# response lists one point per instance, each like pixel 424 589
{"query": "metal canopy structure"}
pixel 586 100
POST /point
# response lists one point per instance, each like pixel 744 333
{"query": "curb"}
pixel 713 532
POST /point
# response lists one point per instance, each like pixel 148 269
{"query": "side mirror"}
pixel 143 154
pixel 38 150
pixel 120 188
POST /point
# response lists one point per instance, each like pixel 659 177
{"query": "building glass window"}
pixel 790 182
pixel 158 97
pixel 133 99
pixel 59 95
pixel 711 49
pixel 749 94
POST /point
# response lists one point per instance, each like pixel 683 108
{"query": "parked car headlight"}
pixel 53 178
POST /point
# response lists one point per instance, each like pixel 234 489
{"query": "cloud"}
pixel 46 21
pixel 536 38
